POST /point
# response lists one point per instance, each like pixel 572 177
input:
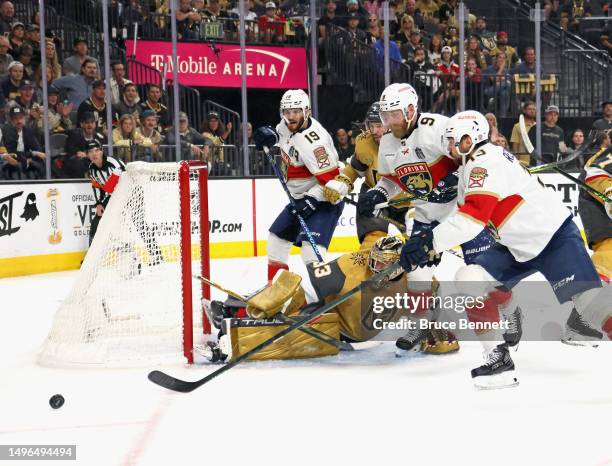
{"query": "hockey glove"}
pixel 335 190
pixel 306 206
pixel 608 205
pixel 445 191
pixel 265 136
pixel 417 252
pixel 368 200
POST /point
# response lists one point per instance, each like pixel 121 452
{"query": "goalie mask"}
pixel 384 253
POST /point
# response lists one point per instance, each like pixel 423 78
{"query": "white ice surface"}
pixel 361 408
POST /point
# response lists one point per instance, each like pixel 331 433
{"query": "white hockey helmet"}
pixel 295 98
pixel 398 96
pixel 469 123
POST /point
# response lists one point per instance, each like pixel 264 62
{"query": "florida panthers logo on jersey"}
pixel 415 176
pixel 322 157
pixel 477 177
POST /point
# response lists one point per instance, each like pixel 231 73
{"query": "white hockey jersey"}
pixel 309 159
pixel 418 161
pixel 495 189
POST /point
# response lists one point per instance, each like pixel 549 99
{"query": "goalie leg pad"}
pixel 275 297
pixel 245 334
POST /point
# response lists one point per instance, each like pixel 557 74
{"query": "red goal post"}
pixel 185 171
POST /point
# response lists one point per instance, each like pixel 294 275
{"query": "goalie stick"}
pixel 184 386
pixel 556 165
pixel 313 332
pixel 292 202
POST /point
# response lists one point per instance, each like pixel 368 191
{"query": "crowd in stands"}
pixel 266 21
pixel 423 39
pixel 76 98
pixel 424 45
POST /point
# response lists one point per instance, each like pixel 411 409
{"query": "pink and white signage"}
pixel 200 65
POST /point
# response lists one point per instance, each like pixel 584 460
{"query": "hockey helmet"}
pixel 469 123
pixel 295 98
pixel 397 98
pixel 373 114
pixel 384 253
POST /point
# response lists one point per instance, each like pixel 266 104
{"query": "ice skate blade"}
pixel 494 382
pixel 583 343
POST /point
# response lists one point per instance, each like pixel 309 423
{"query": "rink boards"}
pixel 44 226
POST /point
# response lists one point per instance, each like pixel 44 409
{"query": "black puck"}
pixel 56 401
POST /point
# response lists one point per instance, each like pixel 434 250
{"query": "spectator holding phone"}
pixel 59 113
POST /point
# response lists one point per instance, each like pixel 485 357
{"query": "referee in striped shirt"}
pixel 104 172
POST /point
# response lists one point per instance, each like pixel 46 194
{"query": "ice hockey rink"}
pixel 364 407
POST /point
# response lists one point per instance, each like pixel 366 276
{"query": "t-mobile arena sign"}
pixel 201 64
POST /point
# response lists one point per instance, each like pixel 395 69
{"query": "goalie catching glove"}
pixel 335 190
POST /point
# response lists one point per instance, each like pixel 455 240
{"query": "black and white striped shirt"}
pixel 104 179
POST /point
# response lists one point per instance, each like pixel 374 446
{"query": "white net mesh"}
pixel 126 308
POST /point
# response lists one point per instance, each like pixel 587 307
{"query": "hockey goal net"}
pixel 135 301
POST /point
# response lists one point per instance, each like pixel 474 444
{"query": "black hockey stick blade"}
pixel 178 385
pixel 171 383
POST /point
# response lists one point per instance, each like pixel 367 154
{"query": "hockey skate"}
pixel 512 336
pixel 579 333
pixel 497 371
pixel 214 351
pixel 411 341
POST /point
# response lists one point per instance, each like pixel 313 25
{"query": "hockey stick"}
pixel 556 165
pixel 292 202
pixel 401 200
pixel 551 165
pixel 313 332
pixel 178 385
pixel 598 194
